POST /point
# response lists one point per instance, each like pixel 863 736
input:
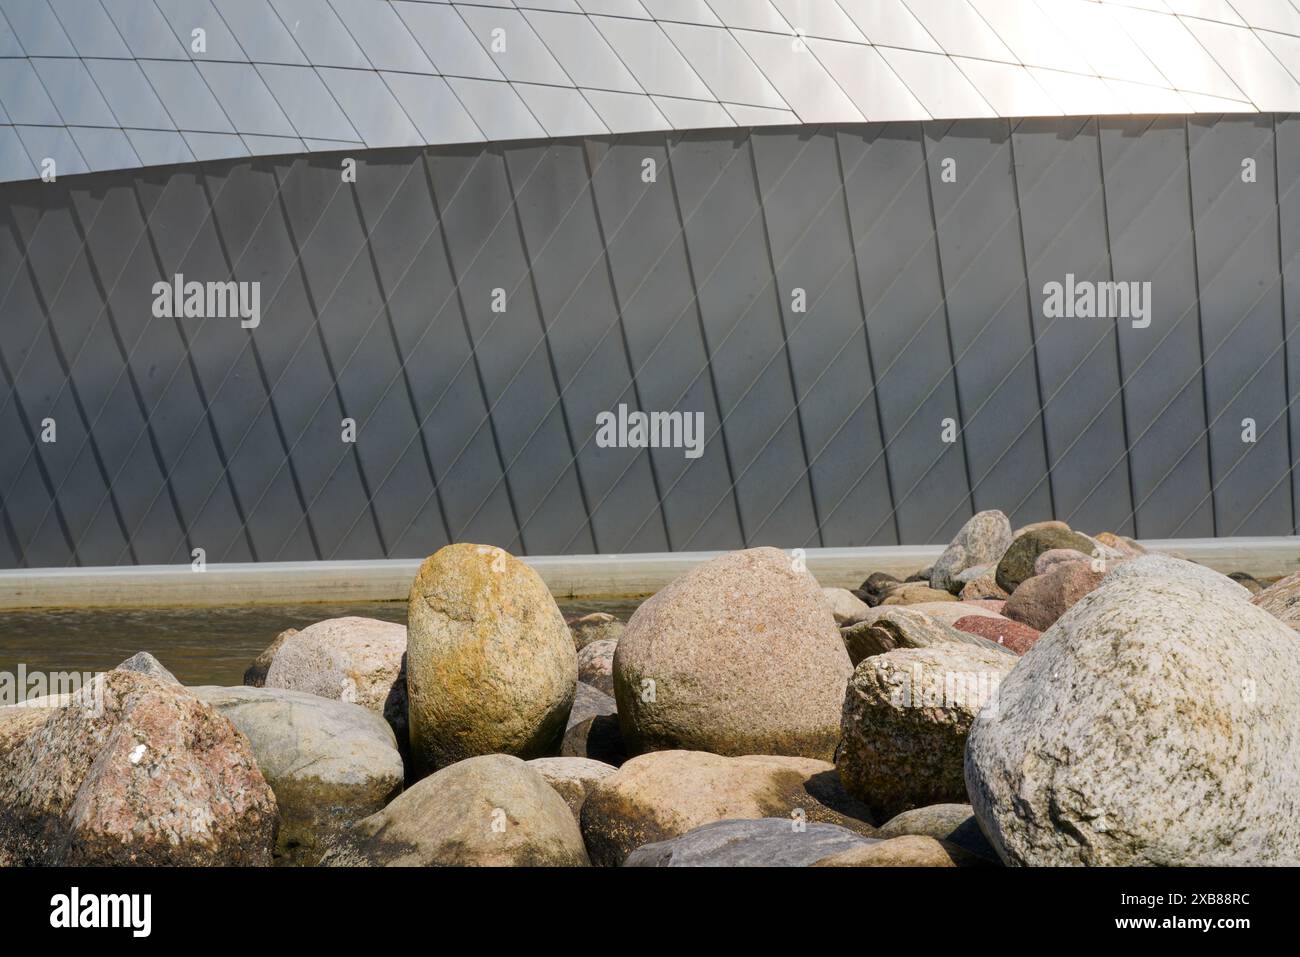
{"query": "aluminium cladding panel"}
pixel 1147 208
pixel 731 266
pixel 337 280
pixel 812 250
pixel 571 282
pixel 890 216
pixel 1287 149
pixel 224 362
pixel 1063 216
pixel 1234 206
pixel 636 200
pixel 982 260
pixel 491 271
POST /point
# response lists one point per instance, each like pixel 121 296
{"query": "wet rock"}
pixel 952 823
pixel 143 663
pixel 1040 600
pixel 906 716
pixel 1009 634
pixel 877 585
pixel 356 660
pixel 981 541
pixel 662 795
pixel 1177 704
pixel 492 667
pixel 1018 562
pixel 910 851
pixel 572 778
pixel 765 842
pixel 133 771
pixel 597 626
pixel 487 811
pixel 845 606
pixel 255 675
pixel 329 763
pixel 596 665
pixel 740 655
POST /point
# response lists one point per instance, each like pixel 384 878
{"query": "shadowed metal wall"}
pixel 671 291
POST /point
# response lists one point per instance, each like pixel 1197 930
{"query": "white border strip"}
pixel 568 576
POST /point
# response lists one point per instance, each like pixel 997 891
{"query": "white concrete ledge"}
pixel 568 576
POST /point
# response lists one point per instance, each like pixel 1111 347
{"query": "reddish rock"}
pixel 1056 557
pixel 1010 634
pixel 1040 600
pixel 137 772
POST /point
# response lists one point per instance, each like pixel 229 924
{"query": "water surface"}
pixel 199 645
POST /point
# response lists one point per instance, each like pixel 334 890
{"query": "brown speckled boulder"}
pixel 657 796
pixel 906 715
pixel 487 811
pixel 1156 723
pixel 357 660
pixel 491 665
pixel 738 656
pixel 1040 600
pixel 134 771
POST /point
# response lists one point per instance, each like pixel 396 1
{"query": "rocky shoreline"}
pixel 1039 696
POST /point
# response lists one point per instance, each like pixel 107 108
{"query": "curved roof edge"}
pixel 119 84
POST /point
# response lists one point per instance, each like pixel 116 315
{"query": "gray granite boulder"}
pixel 329 763
pixel 1156 723
pixel 981 541
pixel 144 663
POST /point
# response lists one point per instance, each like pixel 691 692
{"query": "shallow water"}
pixel 199 645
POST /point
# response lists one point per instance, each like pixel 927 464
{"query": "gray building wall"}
pixel 924 302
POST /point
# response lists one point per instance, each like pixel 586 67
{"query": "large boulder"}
pixel 492 667
pixel 906 716
pixel 657 796
pixel 357 660
pixel 765 842
pixel 740 655
pixel 487 811
pixel 329 763
pixel 572 778
pixel 981 541
pixel 1017 563
pixel 132 770
pixel 1154 567
pixel 1156 723
pixel 596 664
pixel 1040 600
pixel 1281 599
